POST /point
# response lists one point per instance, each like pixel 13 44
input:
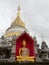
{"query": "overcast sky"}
pixel 35 14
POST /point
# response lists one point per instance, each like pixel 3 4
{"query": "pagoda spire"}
pixel 42 38
pixel 18 14
pixel 18 20
pixel 18 7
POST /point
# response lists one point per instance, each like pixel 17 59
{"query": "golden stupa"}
pixel 17 26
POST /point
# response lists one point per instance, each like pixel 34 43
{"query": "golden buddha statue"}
pixel 24 53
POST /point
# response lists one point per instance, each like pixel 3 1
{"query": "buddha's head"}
pixel 23 43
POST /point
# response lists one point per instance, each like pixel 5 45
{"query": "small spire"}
pixel 18 14
pixel 18 7
pixel 42 38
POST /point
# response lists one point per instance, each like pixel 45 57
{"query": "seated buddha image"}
pixel 24 54
pixel 24 51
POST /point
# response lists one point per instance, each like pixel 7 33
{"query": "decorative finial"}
pixel 42 38
pixel 18 7
pixel 18 14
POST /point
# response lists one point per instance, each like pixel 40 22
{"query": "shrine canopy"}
pixel 29 44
